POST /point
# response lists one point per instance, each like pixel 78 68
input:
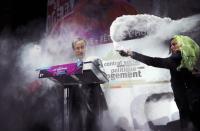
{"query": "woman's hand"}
pixel 125 53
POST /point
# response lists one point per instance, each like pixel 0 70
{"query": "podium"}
pixel 73 75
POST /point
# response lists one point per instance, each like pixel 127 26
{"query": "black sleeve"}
pixel 171 62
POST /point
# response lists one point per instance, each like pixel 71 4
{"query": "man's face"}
pixel 174 46
pixel 79 49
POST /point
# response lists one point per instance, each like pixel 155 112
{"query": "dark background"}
pixel 26 19
pixel 15 13
pixel 18 17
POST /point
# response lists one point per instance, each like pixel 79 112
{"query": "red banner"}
pixel 90 20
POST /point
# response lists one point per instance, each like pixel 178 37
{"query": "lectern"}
pixel 73 75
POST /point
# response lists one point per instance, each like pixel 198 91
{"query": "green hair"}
pixel 189 51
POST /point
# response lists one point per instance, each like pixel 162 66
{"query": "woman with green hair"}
pixel 189 51
pixel 184 55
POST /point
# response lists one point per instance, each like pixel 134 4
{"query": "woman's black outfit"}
pixel 186 92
